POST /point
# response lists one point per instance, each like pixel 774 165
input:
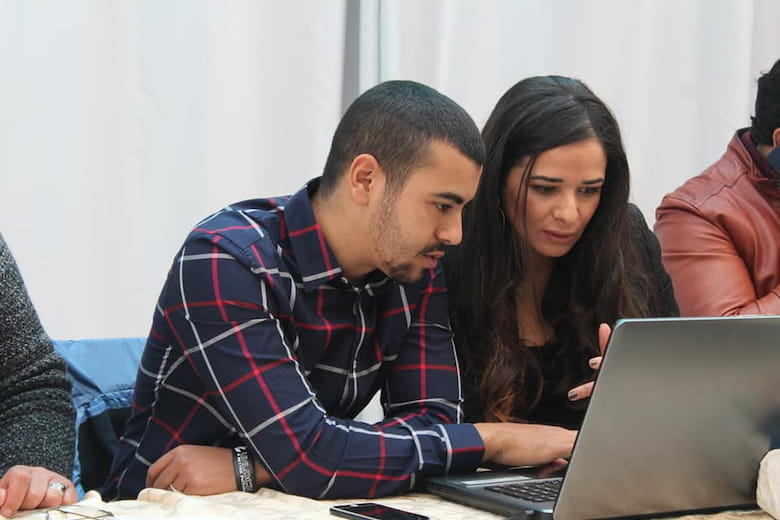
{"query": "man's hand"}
pixel 198 470
pixel 583 391
pixel 27 487
pixel 515 444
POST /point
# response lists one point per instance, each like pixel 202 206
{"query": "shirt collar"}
pixel 314 257
pixel 759 160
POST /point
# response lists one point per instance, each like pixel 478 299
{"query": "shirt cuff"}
pixel 466 447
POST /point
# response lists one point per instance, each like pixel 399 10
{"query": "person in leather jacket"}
pixel 720 231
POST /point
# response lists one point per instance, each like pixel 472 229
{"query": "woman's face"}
pixel 564 190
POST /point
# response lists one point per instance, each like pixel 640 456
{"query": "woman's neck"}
pixel 533 329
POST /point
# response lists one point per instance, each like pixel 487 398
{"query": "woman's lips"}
pixel 558 236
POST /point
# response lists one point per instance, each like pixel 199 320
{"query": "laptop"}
pixel 681 414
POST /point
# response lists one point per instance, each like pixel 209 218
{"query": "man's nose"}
pixel 450 231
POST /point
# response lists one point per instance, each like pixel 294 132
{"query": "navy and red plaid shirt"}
pixel 259 340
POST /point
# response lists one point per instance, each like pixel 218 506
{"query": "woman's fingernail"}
pixel 592 363
pixel 572 395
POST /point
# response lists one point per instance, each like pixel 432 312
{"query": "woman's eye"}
pixel 591 190
pixel 541 188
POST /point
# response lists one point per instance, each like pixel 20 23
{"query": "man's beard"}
pixel 404 273
pixel 387 243
pixel 386 233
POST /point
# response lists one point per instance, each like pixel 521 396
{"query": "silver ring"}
pixel 57 486
pixel 170 486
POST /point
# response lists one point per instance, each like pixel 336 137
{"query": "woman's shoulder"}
pixel 640 234
pixel 636 217
pixel 648 251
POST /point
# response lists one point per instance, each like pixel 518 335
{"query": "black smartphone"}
pixel 373 511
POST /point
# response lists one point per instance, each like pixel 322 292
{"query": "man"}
pixel 720 231
pixel 282 317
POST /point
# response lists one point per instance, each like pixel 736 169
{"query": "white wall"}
pixel 124 122
pixel 679 74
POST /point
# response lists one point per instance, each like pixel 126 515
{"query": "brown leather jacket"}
pixel 720 239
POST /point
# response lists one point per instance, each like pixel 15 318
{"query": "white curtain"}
pixel 679 74
pixel 122 123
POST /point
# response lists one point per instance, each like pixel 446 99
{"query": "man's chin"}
pixel 406 274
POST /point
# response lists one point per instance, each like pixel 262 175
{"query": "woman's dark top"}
pixel 554 407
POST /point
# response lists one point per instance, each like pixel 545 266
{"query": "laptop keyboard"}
pixel 535 491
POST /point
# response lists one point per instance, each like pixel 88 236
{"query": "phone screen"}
pixel 372 511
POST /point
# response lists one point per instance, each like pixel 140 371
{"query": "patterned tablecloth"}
pixel 269 504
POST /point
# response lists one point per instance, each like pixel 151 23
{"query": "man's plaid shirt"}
pixel 259 340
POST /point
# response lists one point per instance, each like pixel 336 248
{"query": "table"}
pixel 270 504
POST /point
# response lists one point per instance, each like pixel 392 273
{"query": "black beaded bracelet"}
pixel 244 467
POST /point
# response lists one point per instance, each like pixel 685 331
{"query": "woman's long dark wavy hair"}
pixel 588 285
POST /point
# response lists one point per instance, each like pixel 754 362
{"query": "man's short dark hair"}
pixel 395 122
pixel 767 116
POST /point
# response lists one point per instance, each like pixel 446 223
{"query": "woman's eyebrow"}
pixel 545 178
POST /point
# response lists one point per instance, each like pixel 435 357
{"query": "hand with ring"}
pixel 28 487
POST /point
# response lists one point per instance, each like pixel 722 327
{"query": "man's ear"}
pixel 364 177
pixel 776 137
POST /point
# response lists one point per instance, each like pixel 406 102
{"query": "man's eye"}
pixel 443 207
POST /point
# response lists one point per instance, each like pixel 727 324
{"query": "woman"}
pixel 551 250
pixel 36 413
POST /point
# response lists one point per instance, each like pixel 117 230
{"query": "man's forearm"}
pixel 524 444
pixel 262 477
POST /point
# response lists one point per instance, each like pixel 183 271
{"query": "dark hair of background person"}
pixel 395 121
pixel 767 116
pixel 589 285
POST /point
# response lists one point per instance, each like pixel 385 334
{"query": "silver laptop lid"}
pixel 681 414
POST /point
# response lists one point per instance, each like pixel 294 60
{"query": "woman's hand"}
pixel 28 487
pixel 198 470
pixel 583 391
